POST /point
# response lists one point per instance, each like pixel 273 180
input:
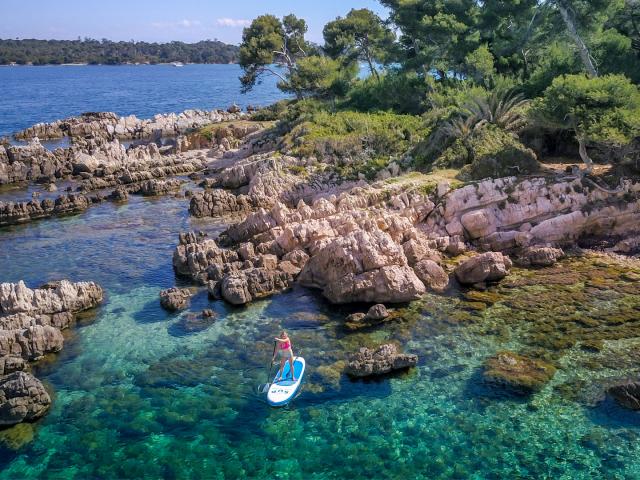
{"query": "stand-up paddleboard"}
pixel 282 392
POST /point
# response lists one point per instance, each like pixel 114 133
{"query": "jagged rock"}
pixel 174 299
pixel 120 194
pixel 242 287
pixel 384 359
pixel 22 398
pixel 519 374
pixel 32 342
pixel 626 394
pixel 377 312
pixel 12 213
pixel 539 256
pixel 487 267
pixel 12 363
pixel 415 251
pixel 362 267
pixel 432 275
pixel 54 297
pixel 154 188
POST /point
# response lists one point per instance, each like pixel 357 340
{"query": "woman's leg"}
pixel 293 376
pixel 281 370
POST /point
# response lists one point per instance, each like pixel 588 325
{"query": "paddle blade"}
pixel 264 388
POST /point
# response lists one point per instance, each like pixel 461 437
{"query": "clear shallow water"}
pixel 43 94
pixel 136 396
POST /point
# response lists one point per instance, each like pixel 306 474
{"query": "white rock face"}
pixel 56 297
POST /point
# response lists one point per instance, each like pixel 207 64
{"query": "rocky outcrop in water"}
pixel 12 213
pixel 384 359
pixel 22 398
pixel 174 299
pixel 30 324
pixel 110 125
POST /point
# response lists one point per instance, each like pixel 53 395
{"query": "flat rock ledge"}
pixel 368 362
pixel 31 321
pixel 517 374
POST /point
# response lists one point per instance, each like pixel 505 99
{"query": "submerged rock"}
pixel 487 267
pixel 22 398
pixel 539 256
pixel 517 373
pixel 626 394
pixel 384 359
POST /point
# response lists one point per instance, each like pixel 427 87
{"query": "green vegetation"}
pixel 603 110
pixel 55 52
pixel 482 87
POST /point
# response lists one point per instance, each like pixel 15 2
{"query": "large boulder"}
pixel 432 275
pixel 384 359
pixel 239 288
pixel 626 394
pixel 518 374
pixel 487 267
pixel 22 398
pixel 393 284
pixel 174 299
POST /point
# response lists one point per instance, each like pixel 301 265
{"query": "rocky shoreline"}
pixel 31 321
pixel 295 221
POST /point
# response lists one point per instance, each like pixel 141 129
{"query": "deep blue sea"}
pixel 30 95
pixel 136 395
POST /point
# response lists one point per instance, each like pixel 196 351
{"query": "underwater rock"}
pixel 539 256
pixel 517 373
pixel 626 394
pixel 194 322
pixel 174 299
pixel 18 436
pixel 432 275
pixel 22 398
pixel 487 267
pixel 384 359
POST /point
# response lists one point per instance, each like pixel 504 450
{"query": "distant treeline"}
pixel 55 52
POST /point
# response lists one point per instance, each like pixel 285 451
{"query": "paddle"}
pixel 264 387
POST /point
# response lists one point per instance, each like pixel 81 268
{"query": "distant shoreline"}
pixel 107 64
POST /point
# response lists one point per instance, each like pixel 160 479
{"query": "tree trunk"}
pixel 584 155
pixel 575 36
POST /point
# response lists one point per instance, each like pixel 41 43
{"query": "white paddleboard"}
pixel 282 392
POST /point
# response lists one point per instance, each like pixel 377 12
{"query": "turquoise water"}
pixel 137 396
pixel 44 94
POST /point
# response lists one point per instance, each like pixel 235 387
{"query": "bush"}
pixel 354 142
pixel 397 91
pixel 602 111
pixel 489 152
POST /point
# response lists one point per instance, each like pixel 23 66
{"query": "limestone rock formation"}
pixel 30 324
pixel 487 267
pixel 174 299
pixel 384 359
pixel 519 374
pixel 432 275
pixel 22 398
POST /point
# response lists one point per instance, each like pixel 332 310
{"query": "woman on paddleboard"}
pixel 284 352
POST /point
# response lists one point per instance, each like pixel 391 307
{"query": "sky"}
pixel 161 20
